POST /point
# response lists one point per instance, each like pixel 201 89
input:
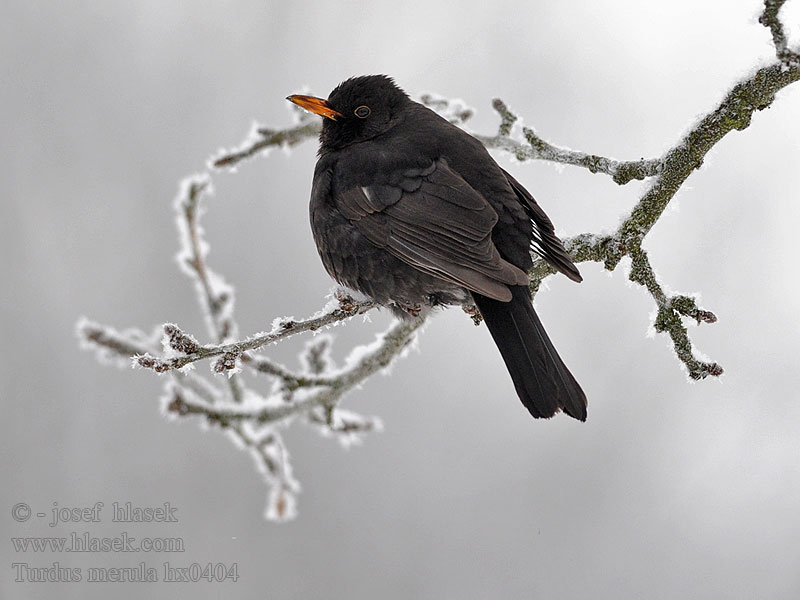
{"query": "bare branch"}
pixel 281 330
pixel 214 295
pixel 262 138
pixel 111 345
pixel 389 345
pixel 189 394
pixel 538 149
pixel 769 18
pixel 455 111
pixel 314 392
pixel 346 426
pixel 669 314
pixel 734 113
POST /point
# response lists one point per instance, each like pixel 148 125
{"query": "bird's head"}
pixel 357 110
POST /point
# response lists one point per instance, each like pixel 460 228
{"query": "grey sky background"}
pixel 671 489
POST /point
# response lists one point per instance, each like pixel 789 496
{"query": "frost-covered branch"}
pixel 367 361
pixel 263 138
pixel 769 18
pixel 232 352
pixel 535 148
pixel 670 311
pixel 226 399
pixel 250 419
pixel 668 173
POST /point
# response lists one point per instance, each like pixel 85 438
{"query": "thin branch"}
pixel 538 149
pixel 216 297
pixel 262 138
pixel 267 450
pixel 734 113
pixel 388 346
pixel 272 459
pixel 670 310
pixel 769 18
pixel 281 330
pixel 110 344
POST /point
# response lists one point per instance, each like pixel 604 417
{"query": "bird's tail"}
pixel 543 382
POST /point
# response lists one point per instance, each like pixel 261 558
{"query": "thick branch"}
pixel 734 113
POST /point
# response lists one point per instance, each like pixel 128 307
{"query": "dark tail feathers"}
pixel 543 382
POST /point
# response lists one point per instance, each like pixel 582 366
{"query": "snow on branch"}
pixel 769 18
pixel 313 393
pixel 250 419
pixel 534 147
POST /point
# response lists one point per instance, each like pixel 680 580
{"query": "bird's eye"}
pixel 362 112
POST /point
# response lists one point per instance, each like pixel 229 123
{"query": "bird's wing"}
pixel 435 221
pixel 545 242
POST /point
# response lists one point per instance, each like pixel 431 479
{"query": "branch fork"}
pixel 313 393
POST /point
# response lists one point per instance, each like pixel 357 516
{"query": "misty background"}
pixel 670 489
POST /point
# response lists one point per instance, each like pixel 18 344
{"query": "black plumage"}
pixel 414 212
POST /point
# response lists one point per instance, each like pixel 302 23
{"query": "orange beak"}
pixel 318 106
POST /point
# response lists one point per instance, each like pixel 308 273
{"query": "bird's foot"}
pixel 473 313
pixel 411 309
pixel 346 302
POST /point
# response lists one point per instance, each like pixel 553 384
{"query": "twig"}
pixel 670 310
pixel 281 330
pixel 388 346
pixel 263 139
pixel 538 149
pixel 769 18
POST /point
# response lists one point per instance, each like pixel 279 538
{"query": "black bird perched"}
pixel 412 211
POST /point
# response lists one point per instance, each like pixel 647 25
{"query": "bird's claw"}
pixel 473 312
pixel 346 302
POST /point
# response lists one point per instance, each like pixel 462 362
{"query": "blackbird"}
pixel 413 212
